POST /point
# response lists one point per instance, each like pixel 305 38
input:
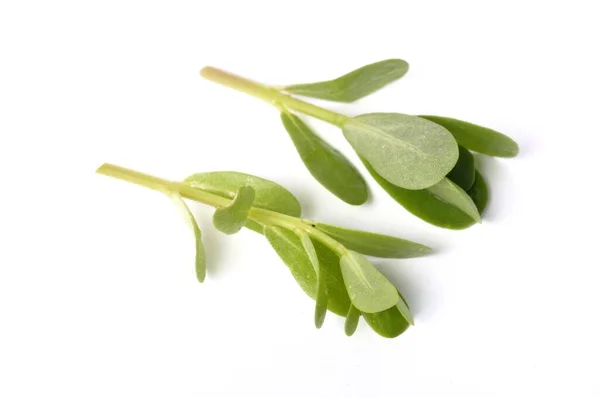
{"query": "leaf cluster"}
pixel 423 162
pixel 328 262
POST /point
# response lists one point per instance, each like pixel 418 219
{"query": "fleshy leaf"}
pixel 424 204
pixel 479 193
pixel 268 195
pixel 463 174
pixel 321 290
pixel 289 248
pixel 191 221
pixel 352 319
pixel 408 151
pixel 373 244
pixel 389 323
pixel 477 138
pixel 449 192
pixel 356 84
pixel 325 163
pixel 232 218
pixel 368 289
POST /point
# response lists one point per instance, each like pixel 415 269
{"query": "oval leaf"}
pixel 321 291
pixel 389 323
pixel 352 319
pixel 374 244
pixel 368 289
pixel 479 193
pixel 477 138
pixel 191 221
pixel 289 248
pixel 356 84
pixel 424 204
pixel 463 174
pixel 326 164
pixel 449 192
pixel 232 218
pixel 408 151
pixel 268 195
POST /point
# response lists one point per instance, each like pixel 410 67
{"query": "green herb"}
pixel 463 174
pixel 352 319
pixel 356 84
pixel 231 218
pixel 326 164
pixel 420 154
pixel 325 267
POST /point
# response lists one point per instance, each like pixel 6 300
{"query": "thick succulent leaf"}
pixel 356 84
pixel 289 248
pixel 268 195
pixel 463 174
pixel 389 323
pixel 477 138
pixel 424 204
pixel 368 289
pixel 449 192
pixel 325 163
pixel 191 221
pixel 352 319
pixel 479 193
pixel 233 217
pixel 408 151
pixel 373 244
pixel 321 291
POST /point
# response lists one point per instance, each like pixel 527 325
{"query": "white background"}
pixel 98 296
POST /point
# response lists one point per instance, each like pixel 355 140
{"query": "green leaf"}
pixel 352 319
pixel 326 164
pixel 477 138
pixel 191 221
pixel 479 193
pixel 321 299
pixel 356 84
pixel 408 151
pixel 463 174
pixel 389 323
pixel 368 289
pixel 268 195
pixel 233 217
pixel 449 192
pixel 424 204
pixel 289 248
pixel 373 244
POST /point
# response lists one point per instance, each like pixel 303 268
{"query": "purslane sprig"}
pixel 424 162
pixel 327 261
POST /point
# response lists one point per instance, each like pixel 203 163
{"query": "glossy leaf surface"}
pixel 325 163
pixel 373 244
pixel 356 84
pixel 351 322
pixel 321 290
pixel 449 192
pixel 479 192
pixel 191 221
pixel 268 195
pixel 368 289
pixel 424 204
pixel 232 218
pixel 477 138
pixel 289 248
pixel 408 151
pixel 389 323
pixel 463 174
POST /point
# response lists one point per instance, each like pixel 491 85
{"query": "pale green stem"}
pixel 271 95
pixel 262 216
